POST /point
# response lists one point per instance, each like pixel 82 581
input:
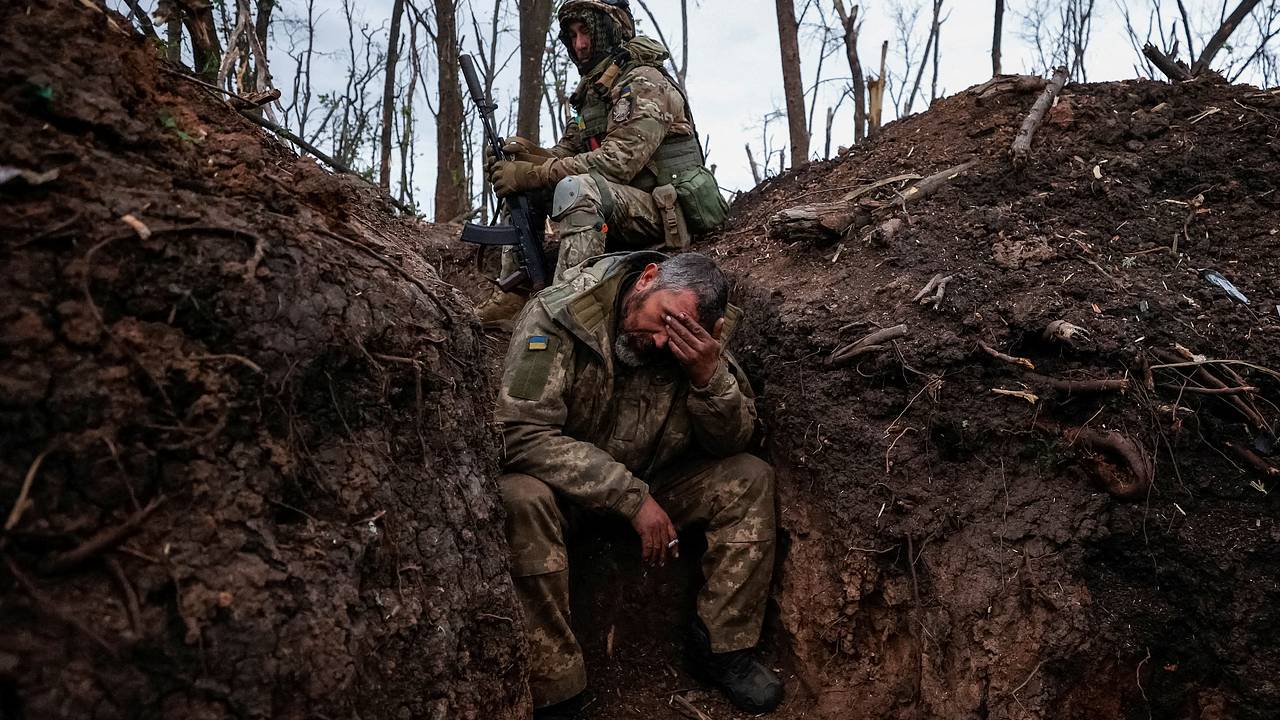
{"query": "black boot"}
pixel 566 710
pixel 744 680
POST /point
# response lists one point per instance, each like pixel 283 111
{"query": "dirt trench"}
pixel 260 467
pixel 246 465
pixel 954 552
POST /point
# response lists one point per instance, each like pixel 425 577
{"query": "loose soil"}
pixel 253 421
pixel 280 363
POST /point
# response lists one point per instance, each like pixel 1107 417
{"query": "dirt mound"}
pixel 954 549
pixel 244 456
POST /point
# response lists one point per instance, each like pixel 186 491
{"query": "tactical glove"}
pixel 516 148
pixel 514 176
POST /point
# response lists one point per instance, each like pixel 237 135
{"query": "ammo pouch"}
pixel 674 228
pixel 678 162
pixel 700 199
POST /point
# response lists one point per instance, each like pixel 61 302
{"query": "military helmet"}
pixel 609 21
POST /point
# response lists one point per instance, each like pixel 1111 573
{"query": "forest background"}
pixel 374 86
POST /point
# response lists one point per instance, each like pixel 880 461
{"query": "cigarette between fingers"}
pixel 673 543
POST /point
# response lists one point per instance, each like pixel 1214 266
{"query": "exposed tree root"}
pixel 103 541
pixel 871 343
pixel 1131 482
pixel 1022 362
pixel 937 286
pixel 1080 386
pixel 1252 459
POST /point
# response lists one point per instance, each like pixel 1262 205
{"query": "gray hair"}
pixel 700 274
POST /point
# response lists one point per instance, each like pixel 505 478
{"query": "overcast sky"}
pixel 734 68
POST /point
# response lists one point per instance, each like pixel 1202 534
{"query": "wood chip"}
pixel 138 226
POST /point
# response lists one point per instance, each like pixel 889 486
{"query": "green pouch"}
pixel 700 199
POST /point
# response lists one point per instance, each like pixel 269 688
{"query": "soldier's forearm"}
pixel 580 471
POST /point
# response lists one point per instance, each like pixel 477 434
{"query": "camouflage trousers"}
pixel 732 497
pixel 634 223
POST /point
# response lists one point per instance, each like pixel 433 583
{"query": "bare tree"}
pixel 849 22
pixel 996 37
pixel 1251 27
pixel 197 16
pixel 1059 32
pixel 451 198
pixel 535 22
pixel 681 70
pixel 930 46
pixel 389 96
pixel 793 86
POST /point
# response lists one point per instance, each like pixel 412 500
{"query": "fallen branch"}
pixel 1008 83
pixel 1021 148
pixel 1006 358
pixel 1076 387
pixel 937 285
pixel 1020 394
pixel 1251 458
pixel 871 343
pixel 827 222
pixel 1202 373
pixel 1172 69
pixel 1132 486
pixel 103 541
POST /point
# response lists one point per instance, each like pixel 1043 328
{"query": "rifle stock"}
pixel 520 233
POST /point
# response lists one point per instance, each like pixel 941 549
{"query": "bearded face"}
pixel 636 348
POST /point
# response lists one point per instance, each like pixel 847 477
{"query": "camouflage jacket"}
pixel 592 428
pixel 636 113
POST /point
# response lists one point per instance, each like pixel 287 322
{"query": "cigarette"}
pixel 673 543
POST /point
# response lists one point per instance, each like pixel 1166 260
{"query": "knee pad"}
pixel 569 193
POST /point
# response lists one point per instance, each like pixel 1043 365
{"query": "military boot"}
pixel 566 710
pixel 498 312
pixel 746 681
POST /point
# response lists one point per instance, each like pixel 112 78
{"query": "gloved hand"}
pixel 523 149
pixel 516 148
pixel 513 176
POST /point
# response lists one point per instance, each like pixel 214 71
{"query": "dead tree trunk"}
pixel 793 86
pixel 173 38
pixel 206 49
pixel 1021 149
pixel 389 98
pixel 535 21
pixel 755 167
pixel 849 20
pixel 1222 35
pixel 928 49
pixel 1172 69
pixel 451 190
pixel 875 93
pixel 996 38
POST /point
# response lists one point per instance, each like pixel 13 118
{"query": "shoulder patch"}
pixel 534 368
pixel 622 109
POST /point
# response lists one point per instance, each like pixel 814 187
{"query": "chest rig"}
pixel 593 104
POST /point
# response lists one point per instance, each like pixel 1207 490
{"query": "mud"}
pixel 252 419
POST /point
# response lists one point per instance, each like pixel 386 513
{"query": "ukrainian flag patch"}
pixel 537 342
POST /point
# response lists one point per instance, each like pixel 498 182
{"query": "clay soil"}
pixel 245 454
pixel 260 467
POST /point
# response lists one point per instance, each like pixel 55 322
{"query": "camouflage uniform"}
pixel 626 133
pixel 582 430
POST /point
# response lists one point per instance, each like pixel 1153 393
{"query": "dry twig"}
pixel 938 286
pixel 103 540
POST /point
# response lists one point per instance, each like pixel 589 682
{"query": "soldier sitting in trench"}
pixel 618 397
pixel 628 171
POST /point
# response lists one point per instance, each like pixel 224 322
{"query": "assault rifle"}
pixel 521 231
